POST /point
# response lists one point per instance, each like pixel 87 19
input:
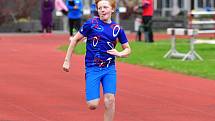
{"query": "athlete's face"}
pixel 105 10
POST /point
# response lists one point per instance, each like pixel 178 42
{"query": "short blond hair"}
pixel 112 3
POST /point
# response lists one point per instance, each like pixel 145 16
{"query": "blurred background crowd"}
pixel 25 15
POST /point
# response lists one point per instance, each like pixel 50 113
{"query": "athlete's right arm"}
pixel 73 41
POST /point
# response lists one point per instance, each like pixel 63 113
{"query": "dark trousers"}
pixel 148 33
pixel 74 24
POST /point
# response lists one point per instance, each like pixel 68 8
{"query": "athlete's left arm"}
pixel 124 53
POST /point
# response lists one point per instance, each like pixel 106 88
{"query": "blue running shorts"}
pixel 98 75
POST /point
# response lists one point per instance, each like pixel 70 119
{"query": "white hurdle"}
pixel 173 53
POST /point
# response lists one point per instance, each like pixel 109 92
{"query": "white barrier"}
pixel 173 53
pixel 200 18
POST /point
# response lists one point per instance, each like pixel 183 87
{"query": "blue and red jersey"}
pixel 101 37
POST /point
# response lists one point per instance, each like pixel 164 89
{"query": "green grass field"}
pixel 151 55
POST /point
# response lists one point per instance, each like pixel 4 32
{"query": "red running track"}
pixel 33 87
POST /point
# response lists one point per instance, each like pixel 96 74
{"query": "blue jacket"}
pixel 74 13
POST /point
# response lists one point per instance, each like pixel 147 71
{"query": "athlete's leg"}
pixel 109 100
pixel 109 89
pixel 93 104
pixel 92 87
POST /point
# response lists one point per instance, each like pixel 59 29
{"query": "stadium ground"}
pixel 33 87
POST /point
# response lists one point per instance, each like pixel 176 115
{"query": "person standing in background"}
pixel 147 14
pixel 61 9
pixel 93 10
pixel 47 8
pixel 75 14
pixel 61 6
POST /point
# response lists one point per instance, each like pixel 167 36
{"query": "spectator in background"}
pixel 147 14
pixel 75 14
pixel 93 10
pixel 61 9
pixel 47 8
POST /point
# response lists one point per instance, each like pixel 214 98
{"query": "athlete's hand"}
pixel 66 66
pixel 114 52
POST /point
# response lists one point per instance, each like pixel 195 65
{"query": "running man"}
pixel 102 34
